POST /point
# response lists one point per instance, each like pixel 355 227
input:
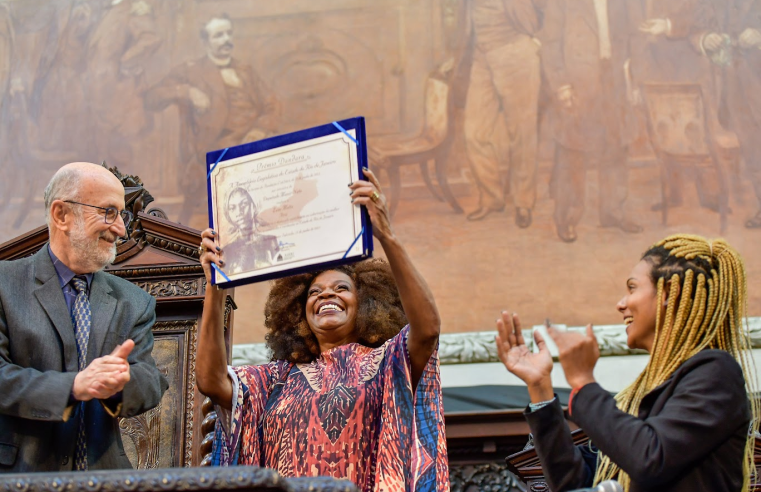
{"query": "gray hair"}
pixel 64 185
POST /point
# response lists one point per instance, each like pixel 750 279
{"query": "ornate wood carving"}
pixel 238 478
pixel 172 288
pixel 162 437
pixel 491 477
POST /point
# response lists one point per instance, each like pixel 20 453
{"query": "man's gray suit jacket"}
pixel 38 363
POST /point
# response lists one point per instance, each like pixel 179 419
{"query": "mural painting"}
pixel 530 149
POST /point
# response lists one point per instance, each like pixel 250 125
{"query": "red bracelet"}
pixel 570 399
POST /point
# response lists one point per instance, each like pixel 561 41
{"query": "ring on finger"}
pixel 375 196
pixel 201 249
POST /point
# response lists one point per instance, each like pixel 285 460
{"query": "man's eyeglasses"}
pixel 111 213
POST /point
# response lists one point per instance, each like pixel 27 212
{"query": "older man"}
pixel 75 342
pixel 222 103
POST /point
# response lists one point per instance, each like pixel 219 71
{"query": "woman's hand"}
pixel 578 354
pixel 533 368
pixel 369 194
pixel 210 253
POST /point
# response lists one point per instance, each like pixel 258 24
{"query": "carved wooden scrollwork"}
pixel 175 247
pixel 163 436
pixel 239 478
pixel 207 429
pixel 171 288
pixel 485 477
pixel 142 431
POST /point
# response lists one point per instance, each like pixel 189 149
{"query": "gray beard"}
pixel 89 249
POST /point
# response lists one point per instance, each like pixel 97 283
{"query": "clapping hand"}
pixel 533 368
pixel 578 354
pixel 105 376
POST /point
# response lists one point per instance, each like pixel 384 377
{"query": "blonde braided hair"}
pixel 706 308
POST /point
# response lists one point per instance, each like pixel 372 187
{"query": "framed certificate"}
pixel 281 205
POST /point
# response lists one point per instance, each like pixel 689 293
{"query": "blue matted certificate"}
pixel 281 205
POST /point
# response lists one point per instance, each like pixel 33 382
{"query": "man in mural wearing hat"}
pixel 222 103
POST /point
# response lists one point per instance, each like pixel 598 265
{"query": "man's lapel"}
pixel 50 297
pixel 102 308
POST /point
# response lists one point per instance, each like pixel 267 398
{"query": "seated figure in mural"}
pixel 349 392
pixel 667 50
pixel 222 103
pixel 685 423
pixel 247 249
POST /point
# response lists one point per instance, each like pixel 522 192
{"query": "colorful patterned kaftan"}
pixel 349 414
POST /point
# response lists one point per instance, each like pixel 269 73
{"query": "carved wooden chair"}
pixel 680 135
pixel 432 143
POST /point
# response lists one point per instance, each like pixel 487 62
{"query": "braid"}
pixel 706 308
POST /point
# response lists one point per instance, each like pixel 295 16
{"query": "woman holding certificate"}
pixel 686 423
pixel 351 392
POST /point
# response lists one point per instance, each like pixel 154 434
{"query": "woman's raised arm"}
pixel 417 299
pixel 211 356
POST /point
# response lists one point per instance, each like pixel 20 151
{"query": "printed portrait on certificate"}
pixel 287 207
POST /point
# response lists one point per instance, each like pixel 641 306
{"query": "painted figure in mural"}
pixel 123 39
pixel 337 398
pixel 585 49
pixel 247 248
pixel 687 423
pixel 59 92
pixel 667 49
pixel 504 84
pixel 222 103
pixel 75 341
pixel 736 49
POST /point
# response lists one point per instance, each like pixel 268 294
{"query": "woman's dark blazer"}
pixel 689 435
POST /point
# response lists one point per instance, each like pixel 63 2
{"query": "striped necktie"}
pixel 82 318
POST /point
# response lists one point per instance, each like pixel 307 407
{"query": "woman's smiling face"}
pixel 331 307
pixel 639 307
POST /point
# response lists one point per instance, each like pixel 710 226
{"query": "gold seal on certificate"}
pixel 281 205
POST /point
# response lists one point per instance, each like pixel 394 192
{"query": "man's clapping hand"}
pixel 105 376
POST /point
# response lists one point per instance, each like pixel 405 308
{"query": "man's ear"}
pixel 667 291
pixel 61 216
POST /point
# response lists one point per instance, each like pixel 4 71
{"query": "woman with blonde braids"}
pixel 685 422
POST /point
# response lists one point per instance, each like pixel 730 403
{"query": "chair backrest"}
pixel 676 119
pixel 436 110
